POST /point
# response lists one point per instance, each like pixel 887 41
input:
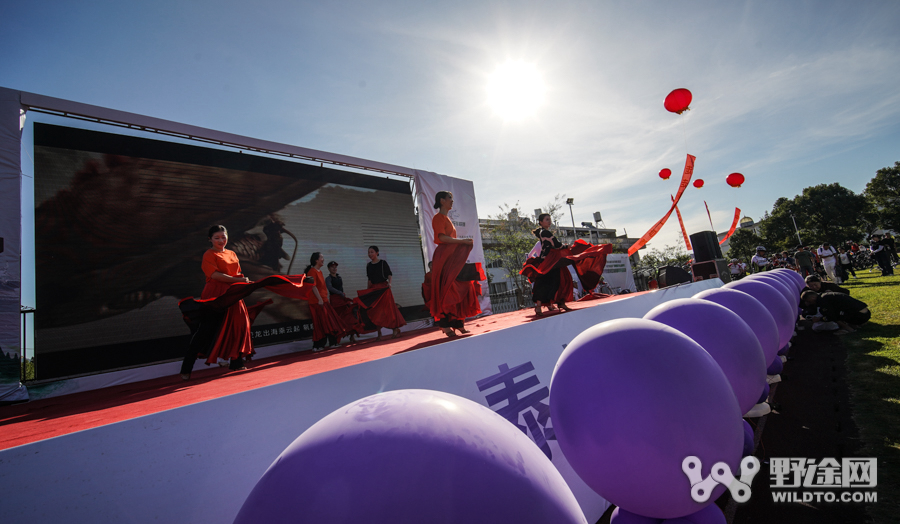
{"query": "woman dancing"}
pixel 219 321
pixel 452 300
pixel 377 300
pixel 347 309
pixel 328 329
pixel 551 284
pixel 546 267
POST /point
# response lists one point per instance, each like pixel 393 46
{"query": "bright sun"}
pixel 515 90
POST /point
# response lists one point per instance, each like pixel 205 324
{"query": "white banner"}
pixel 618 273
pixel 464 216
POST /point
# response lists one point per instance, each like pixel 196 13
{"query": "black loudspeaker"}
pixel 717 268
pixel 706 246
pixel 671 275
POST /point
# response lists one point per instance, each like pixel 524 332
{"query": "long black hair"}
pixel 440 196
pixel 312 261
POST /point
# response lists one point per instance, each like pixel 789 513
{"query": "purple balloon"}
pixel 723 335
pixel 765 394
pixel 782 287
pixel 411 456
pixel 748 439
pixel 783 312
pixel 786 280
pixel 623 516
pixel 631 399
pixel 775 367
pixel 798 279
pixel 752 312
pixel 709 515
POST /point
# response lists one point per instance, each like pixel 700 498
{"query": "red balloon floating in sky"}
pixel 735 179
pixel 678 101
pixel 698 183
pixel 665 173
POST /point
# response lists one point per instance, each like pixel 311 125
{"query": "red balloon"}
pixel 678 101
pixel 698 182
pixel 735 179
pixel 665 173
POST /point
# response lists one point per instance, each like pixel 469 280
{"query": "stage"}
pixel 169 450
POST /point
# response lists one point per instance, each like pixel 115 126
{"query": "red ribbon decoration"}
pixel 685 180
pixel 687 241
pixel 710 216
pixel 737 216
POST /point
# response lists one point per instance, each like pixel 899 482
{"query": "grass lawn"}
pixel 873 363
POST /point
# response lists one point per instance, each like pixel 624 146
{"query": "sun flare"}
pixel 515 90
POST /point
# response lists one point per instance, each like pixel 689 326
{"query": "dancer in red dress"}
pixel 222 268
pixel 346 308
pixel 452 300
pixel 546 267
pixel 328 329
pixel 219 321
pixel 377 300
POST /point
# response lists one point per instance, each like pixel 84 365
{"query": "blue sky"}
pixel 791 94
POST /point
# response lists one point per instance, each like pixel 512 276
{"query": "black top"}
pixel 335 284
pixel 835 305
pixel 548 242
pixel 378 272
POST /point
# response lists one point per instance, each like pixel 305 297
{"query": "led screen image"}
pixel 121 225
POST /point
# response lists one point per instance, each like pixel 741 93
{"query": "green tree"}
pixel 883 192
pixel 507 240
pixel 667 256
pixel 824 213
pixel 742 244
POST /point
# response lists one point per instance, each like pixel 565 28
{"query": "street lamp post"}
pixel 795 229
pixel 569 202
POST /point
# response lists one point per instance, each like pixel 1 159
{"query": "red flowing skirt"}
pixel 233 338
pixel 451 297
pixel 348 310
pixel 378 302
pixel 326 321
pixel 589 261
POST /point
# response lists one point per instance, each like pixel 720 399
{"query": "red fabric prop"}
pixel 678 101
pixel 665 173
pixel 734 224
pixel 378 301
pixel 698 183
pixel 687 240
pixel 685 180
pixel 735 179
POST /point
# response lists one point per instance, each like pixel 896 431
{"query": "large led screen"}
pixel 120 230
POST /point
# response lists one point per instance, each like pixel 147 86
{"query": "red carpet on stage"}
pixel 52 417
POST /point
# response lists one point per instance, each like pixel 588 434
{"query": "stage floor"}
pixel 52 417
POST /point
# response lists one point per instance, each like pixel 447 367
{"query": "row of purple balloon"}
pixel 630 399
